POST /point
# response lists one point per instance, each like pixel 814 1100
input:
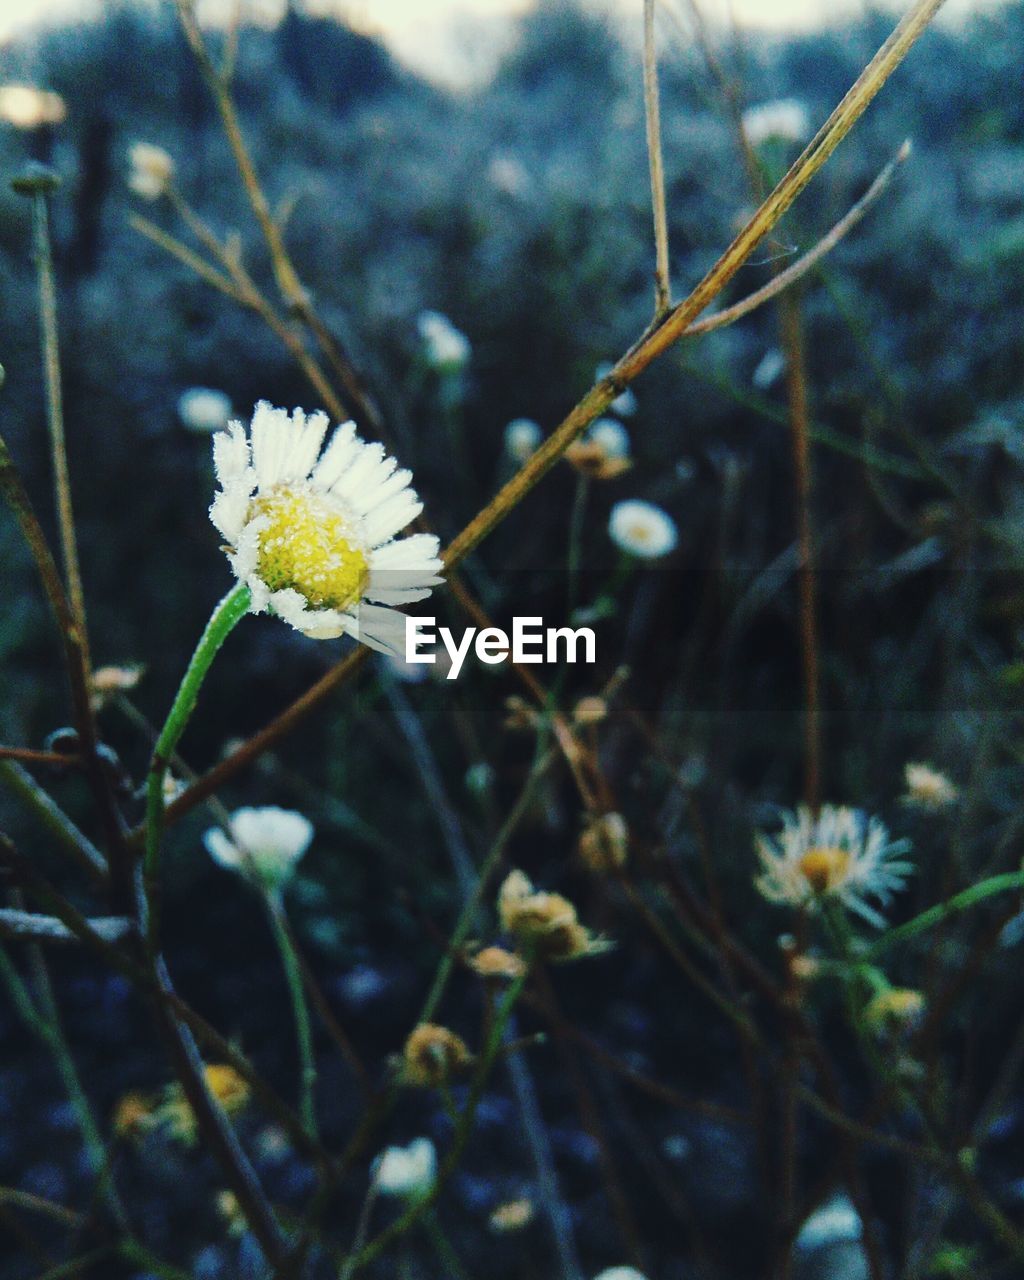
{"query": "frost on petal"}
pixel 341 449
pixel 417 552
pixel 271 434
pixel 306 435
pixel 398 481
pixel 231 456
pixel 319 624
pixel 392 516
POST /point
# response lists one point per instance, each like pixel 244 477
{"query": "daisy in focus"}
pixel 841 854
pixel 313 535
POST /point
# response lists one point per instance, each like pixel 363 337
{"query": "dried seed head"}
pixel 604 844
pixel 544 923
pixel 590 710
pixel 520 717
pixel 432 1055
pixel 513 1215
pixel 898 1009
pixel 497 963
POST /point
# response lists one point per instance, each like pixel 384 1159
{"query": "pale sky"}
pixel 446 39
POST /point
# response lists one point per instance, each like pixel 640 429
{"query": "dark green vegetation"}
pixel 522 212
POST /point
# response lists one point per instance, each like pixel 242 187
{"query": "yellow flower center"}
pixel 309 547
pixel 824 868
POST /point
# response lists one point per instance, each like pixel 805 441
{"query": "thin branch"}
pixel 53 818
pixel 26 926
pixel 800 268
pixel 662 287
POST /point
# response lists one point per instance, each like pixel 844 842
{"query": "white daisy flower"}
pixel 522 436
pixel 610 436
pixel 447 348
pixel 786 119
pixel 263 844
pixel 204 410
pixel 624 404
pixel 152 170
pixel 927 788
pixel 642 529
pixel 408 1172
pixel 26 107
pixel 841 853
pixel 835 1221
pixel 313 535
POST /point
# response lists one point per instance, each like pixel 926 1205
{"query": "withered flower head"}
pixel 432 1055
pixel 496 962
pixel 545 923
pixel 604 844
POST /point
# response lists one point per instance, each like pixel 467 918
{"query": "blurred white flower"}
pixel 784 118
pixel 642 529
pixel 927 788
pixel 402 669
pixel 610 436
pixel 203 410
pixel 263 844
pixel 506 173
pixel 771 364
pixel 26 107
pixel 522 436
pixel 620 1273
pixel 447 348
pixel 841 853
pixel 408 1172
pixel 152 170
pixel 624 404
pixel 313 536
pixel 835 1221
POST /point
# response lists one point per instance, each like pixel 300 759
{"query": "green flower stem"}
pixel 300 1010
pixel 224 618
pixel 419 1208
pixel 1009 882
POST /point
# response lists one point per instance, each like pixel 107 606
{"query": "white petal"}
pixel 418 551
pixel 341 449
pixel 229 507
pixel 358 476
pixel 231 454
pixel 369 501
pixel 305 438
pixel 384 591
pixel 318 624
pixel 381 629
pixel 391 517
pixel 221 849
pixel 271 435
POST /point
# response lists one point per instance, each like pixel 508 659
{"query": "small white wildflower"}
pixel 625 404
pixel 786 119
pixel 835 1221
pixel 152 170
pixel 522 436
pixel 927 788
pixel 642 529
pixel 841 853
pixel 507 174
pixel 447 348
pixel 769 367
pixel 610 436
pixel 263 844
pixel 620 1273
pixel 204 410
pixel 26 107
pixel 408 1172
pixel 313 536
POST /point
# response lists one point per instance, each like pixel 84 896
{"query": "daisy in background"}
pixel 447 348
pixel 313 535
pixel 927 788
pixel 841 854
pixel 204 410
pixel 264 845
pixel 641 529
pixel 152 170
pixel 522 436
pixel 408 1172
pixel 785 119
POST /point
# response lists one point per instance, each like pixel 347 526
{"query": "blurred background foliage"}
pixel 521 210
